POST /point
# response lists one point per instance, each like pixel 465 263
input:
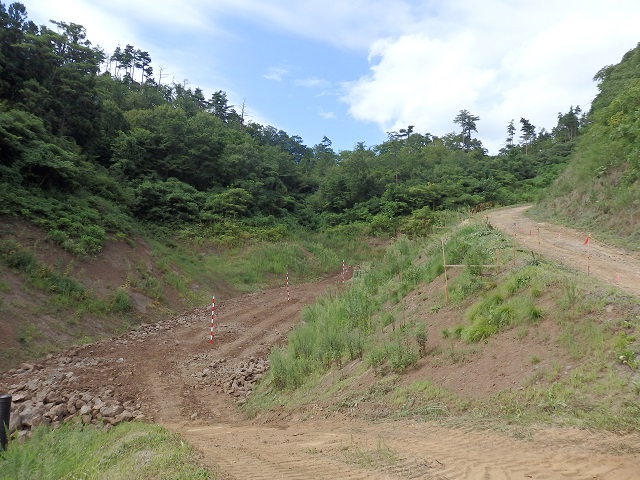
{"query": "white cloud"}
pixel 418 81
pixel 101 25
pixel 326 115
pixel 495 61
pixel 312 82
pixel 347 24
pixel 276 74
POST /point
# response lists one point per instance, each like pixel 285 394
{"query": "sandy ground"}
pixel 164 372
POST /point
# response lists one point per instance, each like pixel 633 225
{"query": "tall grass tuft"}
pixel 340 328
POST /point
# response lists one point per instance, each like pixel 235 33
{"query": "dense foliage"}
pixel 92 145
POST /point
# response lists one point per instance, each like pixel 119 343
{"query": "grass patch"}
pixel 129 451
pixel 509 302
pixel 379 457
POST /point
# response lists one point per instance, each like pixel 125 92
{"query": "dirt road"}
pixel 613 266
pixel 179 380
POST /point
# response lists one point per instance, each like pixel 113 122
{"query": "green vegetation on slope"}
pixel 173 273
pixel 125 154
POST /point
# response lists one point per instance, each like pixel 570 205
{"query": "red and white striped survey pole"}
pixel 213 317
pixel 288 291
pixel 342 272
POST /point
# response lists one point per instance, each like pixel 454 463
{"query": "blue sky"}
pixel 353 70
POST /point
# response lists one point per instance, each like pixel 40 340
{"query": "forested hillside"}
pixel 102 164
pixel 601 188
pixel 92 143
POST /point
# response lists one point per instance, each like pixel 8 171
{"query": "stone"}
pixel 18 397
pixel 57 412
pixel 33 384
pixel 15 423
pixel 53 397
pixel 111 411
pixel 31 416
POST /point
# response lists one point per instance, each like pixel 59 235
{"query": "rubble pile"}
pixel 240 384
pixel 94 384
pixel 236 380
pixel 42 396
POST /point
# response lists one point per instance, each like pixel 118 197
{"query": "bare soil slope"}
pixel 179 380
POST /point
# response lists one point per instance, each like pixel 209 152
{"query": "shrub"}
pixel 121 301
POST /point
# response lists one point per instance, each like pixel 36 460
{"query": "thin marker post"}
pixel 588 244
pixel 213 317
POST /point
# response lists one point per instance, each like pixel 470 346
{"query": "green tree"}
pixel 528 133
pixel 511 131
pixel 233 202
pixel 568 125
pixel 467 123
pixel 167 202
pixel 14 64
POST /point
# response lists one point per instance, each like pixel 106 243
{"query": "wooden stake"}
pixel 446 279
pixel 588 244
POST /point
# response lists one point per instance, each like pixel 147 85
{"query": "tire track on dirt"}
pixel 275 456
pixel 339 448
pixel 245 327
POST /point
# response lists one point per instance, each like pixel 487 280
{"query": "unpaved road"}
pixel 613 266
pixel 164 370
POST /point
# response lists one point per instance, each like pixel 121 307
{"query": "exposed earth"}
pixel 171 374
